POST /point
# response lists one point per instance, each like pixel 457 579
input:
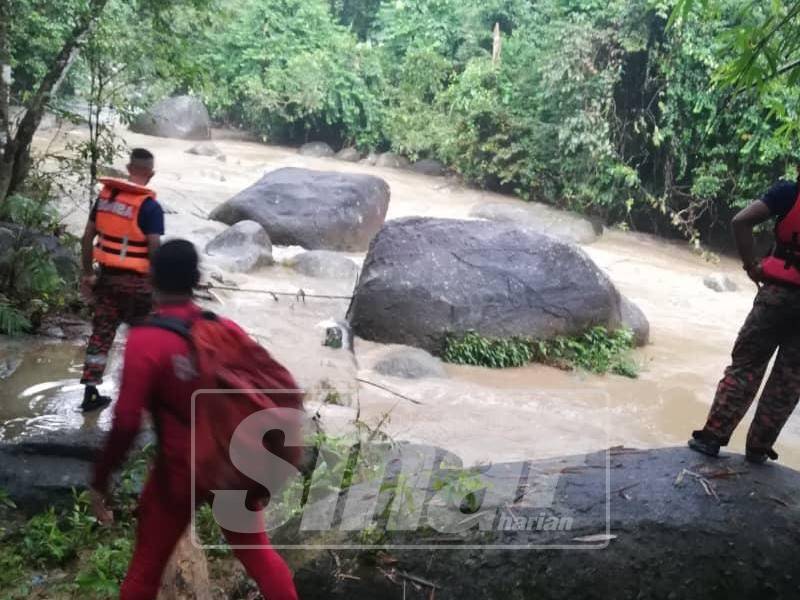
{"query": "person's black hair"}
pixel 174 267
pixel 141 154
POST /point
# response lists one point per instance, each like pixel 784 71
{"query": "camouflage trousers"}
pixel 119 297
pixel 773 324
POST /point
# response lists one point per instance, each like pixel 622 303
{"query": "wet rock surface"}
pixel 410 363
pixel 42 470
pixel 205 149
pixel 241 248
pixel 633 318
pixel 391 160
pixel 312 209
pixel 720 282
pixel 316 150
pixel 681 526
pixel 325 265
pixel 426 278
pixel 349 155
pixel 429 166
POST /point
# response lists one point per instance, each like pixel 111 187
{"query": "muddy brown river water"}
pixel 481 414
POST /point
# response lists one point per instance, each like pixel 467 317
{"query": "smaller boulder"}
pixel 633 318
pixel 9 365
pixel 720 282
pixel 429 166
pixel 110 171
pixel 205 149
pixel 371 159
pixel 391 160
pixel 325 265
pixel 316 150
pixel 242 247
pixel 410 363
pixel 349 155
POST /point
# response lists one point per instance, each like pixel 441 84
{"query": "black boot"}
pixel 92 400
pixel 705 443
pixel 759 457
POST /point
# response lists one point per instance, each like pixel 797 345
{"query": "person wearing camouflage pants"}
pixel 772 325
pixel 769 327
pixel 119 297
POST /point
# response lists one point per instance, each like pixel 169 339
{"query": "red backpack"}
pixel 237 371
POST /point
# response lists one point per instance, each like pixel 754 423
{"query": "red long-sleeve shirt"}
pixel 157 377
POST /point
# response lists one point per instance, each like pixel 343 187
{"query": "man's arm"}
pixel 743 224
pixel 87 247
pixel 153 243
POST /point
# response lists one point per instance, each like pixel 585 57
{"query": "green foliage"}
pixel 105 569
pixel 474 349
pixel 29 278
pixel 28 212
pixel 597 351
pixel 12 320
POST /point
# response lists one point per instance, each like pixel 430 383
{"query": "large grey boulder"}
pixel 542 219
pixel 424 278
pixel 313 209
pixel 325 265
pixel 633 525
pixel 633 318
pixel 181 117
pixel 316 150
pixel 242 247
pixel 410 363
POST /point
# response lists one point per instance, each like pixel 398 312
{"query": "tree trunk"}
pixel 5 84
pixel 186 576
pixel 18 152
pixel 497 45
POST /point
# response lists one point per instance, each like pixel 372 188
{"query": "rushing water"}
pixel 482 415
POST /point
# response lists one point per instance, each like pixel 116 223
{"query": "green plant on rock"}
pixel 597 351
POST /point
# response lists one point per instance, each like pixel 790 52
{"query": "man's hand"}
pixel 100 509
pixel 88 281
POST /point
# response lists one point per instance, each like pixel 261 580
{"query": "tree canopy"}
pixel 663 115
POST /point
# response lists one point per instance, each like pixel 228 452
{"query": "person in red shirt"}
pixel 158 377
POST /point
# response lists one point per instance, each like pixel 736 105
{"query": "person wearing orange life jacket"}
pixel 773 324
pixel 123 232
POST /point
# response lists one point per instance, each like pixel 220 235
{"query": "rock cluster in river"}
pixel 312 209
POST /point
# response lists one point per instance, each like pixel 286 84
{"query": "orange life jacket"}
pixel 783 263
pixel 120 243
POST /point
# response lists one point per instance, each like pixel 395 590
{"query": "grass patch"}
pixel 597 351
